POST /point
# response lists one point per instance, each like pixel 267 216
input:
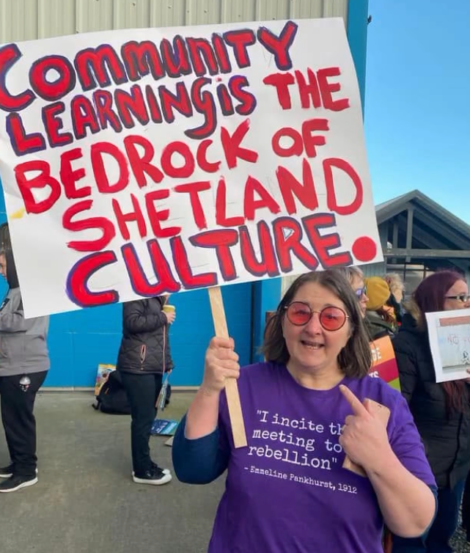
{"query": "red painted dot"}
pixel 364 249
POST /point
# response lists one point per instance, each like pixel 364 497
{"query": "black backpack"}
pixel 112 398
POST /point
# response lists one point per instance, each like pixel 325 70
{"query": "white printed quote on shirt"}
pixel 277 438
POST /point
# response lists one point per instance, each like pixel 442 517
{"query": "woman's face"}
pixel 310 346
pixel 457 296
pixel 357 285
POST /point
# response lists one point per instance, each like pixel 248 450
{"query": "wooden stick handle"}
pixel 231 387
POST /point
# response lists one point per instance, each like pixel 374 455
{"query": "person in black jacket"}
pixel 441 411
pixel 144 356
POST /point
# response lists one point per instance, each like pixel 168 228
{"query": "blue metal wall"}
pixel 80 340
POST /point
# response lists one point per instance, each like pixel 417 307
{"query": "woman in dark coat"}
pixel 441 411
pixel 144 357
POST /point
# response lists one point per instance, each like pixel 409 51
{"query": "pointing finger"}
pixel 357 407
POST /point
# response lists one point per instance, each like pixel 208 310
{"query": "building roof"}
pixel 456 230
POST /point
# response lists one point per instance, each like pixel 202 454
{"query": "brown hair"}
pixel 355 358
pixel 386 316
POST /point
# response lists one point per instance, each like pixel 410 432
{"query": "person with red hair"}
pixel 441 410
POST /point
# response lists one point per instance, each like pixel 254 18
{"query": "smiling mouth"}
pixel 312 345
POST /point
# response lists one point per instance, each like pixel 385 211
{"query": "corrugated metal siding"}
pixel 55 17
pixel 32 19
pixel 18 20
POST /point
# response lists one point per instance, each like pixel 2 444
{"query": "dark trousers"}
pixel 442 529
pixel 17 406
pixel 143 391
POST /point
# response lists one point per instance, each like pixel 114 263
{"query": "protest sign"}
pixel 449 339
pixel 384 364
pixel 142 162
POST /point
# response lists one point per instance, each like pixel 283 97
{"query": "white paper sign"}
pixel 137 163
pixel 449 338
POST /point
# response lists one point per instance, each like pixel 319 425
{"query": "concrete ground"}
pixel 85 500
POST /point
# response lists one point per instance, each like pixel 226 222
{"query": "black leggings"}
pixel 143 391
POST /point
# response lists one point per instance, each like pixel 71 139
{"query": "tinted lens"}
pixel 360 292
pixel 332 318
pixel 299 313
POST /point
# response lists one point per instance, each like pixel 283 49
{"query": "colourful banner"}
pixel 384 364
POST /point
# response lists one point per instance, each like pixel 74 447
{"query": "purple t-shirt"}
pixel 287 491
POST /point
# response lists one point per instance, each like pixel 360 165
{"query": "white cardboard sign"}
pixel 449 339
pixel 142 162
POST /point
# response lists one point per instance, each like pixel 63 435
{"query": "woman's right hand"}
pixel 170 316
pixel 221 363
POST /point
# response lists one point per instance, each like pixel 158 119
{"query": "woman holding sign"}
pixel 305 409
pixel 441 411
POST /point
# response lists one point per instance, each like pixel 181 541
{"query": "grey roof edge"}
pixel 388 209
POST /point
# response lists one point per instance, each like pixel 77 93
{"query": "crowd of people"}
pixel 309 407
pixel 282 496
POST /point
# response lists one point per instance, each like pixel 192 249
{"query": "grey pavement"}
pixel 85 500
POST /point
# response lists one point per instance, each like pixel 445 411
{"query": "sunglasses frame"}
pixel 459 297
pixel 312 312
